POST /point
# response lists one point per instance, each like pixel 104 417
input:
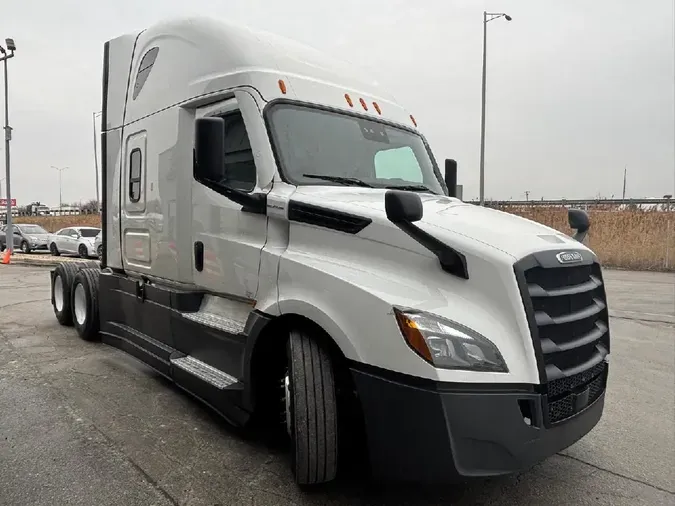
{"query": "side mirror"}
pixel 209 162
pixel 451 177
pixel 578 220
pixel 403 206
pixel 209 149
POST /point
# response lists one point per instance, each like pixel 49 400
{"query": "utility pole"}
pixel 527 195
pixel 61 169
pixel 624 182
pixel 487 17
pixel 11 47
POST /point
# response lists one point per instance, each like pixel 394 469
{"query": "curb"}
pixel 42 260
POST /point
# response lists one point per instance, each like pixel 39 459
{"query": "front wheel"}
pixel 54 250
pixel 311 410
pixel 25 248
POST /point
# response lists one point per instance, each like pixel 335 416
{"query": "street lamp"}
pixel 4 56
pixel 487 17
pixel 60 169
pixel 98 200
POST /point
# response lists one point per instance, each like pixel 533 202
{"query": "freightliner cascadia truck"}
pixel 280 242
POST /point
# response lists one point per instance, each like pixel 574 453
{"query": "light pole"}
pixel 11 47
pixel 98 200
pixel 60 169
pixel 487 17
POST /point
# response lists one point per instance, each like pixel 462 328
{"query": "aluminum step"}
pixel 216 321
pixel 204 371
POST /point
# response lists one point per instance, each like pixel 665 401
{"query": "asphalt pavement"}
pixel 85 424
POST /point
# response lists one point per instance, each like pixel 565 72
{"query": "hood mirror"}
pixel 402 206
pixel 579 221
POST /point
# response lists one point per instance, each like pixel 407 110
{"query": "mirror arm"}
pixel 255 203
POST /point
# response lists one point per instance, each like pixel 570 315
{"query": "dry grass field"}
pixel 627 239
pixel 630 239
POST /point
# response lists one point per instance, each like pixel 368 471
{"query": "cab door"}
pixel 228 241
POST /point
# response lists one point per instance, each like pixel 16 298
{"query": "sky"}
pixel 577 90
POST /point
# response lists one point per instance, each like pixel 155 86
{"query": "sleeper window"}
pixel 135 171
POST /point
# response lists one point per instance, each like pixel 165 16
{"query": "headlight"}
pixel 448 345
pixel 34 239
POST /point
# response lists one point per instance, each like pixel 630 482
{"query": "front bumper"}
pixel 38 246
pixel 422 431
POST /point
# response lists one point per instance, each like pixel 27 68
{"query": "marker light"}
pixel 377 108
pixel 448 345
pixel 282 86
pixel 349 100
pixel 363 104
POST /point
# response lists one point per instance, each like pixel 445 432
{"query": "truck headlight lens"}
pixel 448 345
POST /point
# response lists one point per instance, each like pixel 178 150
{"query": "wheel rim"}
pixel 53 248
pixel 24 247
pixel 100 251
pixel 58 293
pixel 83 250
pixel 287 402
pixel 80 304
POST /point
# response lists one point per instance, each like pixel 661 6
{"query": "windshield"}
pixel 89 232
pixel 315 146
pixel 32 229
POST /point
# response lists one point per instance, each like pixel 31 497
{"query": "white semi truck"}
pixel 280 242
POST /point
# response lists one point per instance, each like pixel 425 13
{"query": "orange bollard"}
pixel 5 257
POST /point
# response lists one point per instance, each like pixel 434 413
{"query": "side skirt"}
pixel 164 329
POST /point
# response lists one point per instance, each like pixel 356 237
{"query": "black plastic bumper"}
pixel 424 431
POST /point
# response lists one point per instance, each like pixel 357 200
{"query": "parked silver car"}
pixel 74 240
pixel 27 237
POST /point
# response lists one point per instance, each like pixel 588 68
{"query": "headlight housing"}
pixel 448 345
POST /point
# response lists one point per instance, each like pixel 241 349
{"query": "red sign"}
pixel 3 202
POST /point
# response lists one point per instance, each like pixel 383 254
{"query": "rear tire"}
pixel 82 251
pixel 312 411
pixel 54 250
pixel 63 280
pixel 84 303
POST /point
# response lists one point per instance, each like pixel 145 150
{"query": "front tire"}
pixel 311 411
pixel 85 309
pixel 25 247
pixel 54 250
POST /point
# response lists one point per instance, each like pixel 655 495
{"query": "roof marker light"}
pixel 282 86
pixel 377 108
pixel 413 120
pixel 363 104
pixel 349 100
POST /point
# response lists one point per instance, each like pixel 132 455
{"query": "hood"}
pixel 447 218
pixel 39 237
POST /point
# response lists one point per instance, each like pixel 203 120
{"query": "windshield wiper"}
pixel 348 181
pixel 410 188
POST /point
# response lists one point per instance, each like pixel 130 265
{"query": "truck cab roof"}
pixel 186 60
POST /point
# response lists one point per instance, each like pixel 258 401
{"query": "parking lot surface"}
pixel 85 424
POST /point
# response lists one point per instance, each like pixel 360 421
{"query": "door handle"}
pixel 199 256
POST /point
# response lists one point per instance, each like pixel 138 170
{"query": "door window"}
pixel 238 171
